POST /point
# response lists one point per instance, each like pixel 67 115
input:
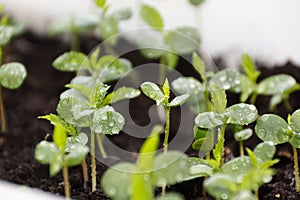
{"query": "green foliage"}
pixel 69 62
pixel 196 2
pixel 12 75
pixel 242 135
pixel 151 16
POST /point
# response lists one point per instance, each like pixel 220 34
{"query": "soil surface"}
pixel 39 96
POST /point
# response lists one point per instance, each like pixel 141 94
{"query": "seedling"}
pixel 271 127
pixel 240 176
pixel 107 24
pixel 85 104
pixel 12 74
pixel 278 86
pixel 138 180
pixel 241 136
pixel 58 157
pixel 161 97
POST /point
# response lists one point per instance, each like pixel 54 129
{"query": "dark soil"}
pixel 39 96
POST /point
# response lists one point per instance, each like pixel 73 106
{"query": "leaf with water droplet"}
pixel 243 134
pixel 179 100
pixel 170 168
pixel 265 151
pixel 270 127
pixel 81 138
pixel 238 167
pixel 295 121
pixel 12 75
pixel 109 27
pixel 226 79
pixel 244 195
pixel 275 84
pixel 199 66
pixel 70 61
pixel 76 154
pixel 209 120
pixel 220 185
pixel 107 121
pixel 121 94
pixel 218 98
pixel 116 181
pixel 152 91
pixel 256 178
pixel 241 114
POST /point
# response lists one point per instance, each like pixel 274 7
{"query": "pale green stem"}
pixel 93 162
pixel 241 148
pixel 287 105
pixel 66 182
pixel 223 136
pixel 253 98
pixel 84 173
pixel 256 193
pixel 2 113
pixel 167 129
pixel 296 169
pixel 162 73
pixel 100 145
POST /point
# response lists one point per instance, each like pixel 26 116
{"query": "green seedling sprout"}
pixel 74 137
pixel 106 23
pixel 161 97
pixel 138 180
pixel 241 136
pixel 165 45
pixel 271 127
pixel 278 86
pixel 12 74
pixel 58 157
pixel 86 104
pixel 238 178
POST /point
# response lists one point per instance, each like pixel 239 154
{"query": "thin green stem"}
pixel 84 173
pixel 223 144
pixel 253 98
pixel 287 105
pixel 66 182
pixel 162 73
pixel 75 43
pixel 2 113
pixel 241 148
pixel 93 162
pixel 167 129
pixel 100 145
pixel 296 169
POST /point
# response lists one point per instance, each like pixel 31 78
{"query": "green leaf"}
pixel 141 189
pixel 170 196
pixel 152 45
pixel 241 114
pixel 170 168
pixel 243 134
pixel 270 127
pixel 253 157
pixel 82 89
pixel 70 61
pixel 204 140
pixel 170 59
pixel 218 98
pixel 7 32
pixel 219 150
pixel 275 84
pixel 59 137
pixel 151 16
pixel 121 94
pixel 100 3
pixel 116 181
pixel 184 40
pixel 238 167
pixel 265 151
pixel 256 178
pixel 81 138
pixel 295 121
pixel 98 94
pixel 152 91
pixel 188 85
pixel 246 87
pixel 122 14
pixel 65 108
pixel 179 100
pixel 201 170
pixel 45 152
pixel 221 186
pixel 107 121
pixel 109 27
pixel 199 66
pixel 166 90
pixel 209 120
pixel 244 195
pixel 226 79
pixel 12 75
pixel 196 2
pixel 55 165
pixel 76 154
pixel 58 121
pixel 249 67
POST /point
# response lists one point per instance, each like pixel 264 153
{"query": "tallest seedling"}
pixel 12 74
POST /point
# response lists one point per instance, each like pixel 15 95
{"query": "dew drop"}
pixel 112 191
pixel 115 130
pixel 111 124
pixel 261 132
pixel 120 120
pixel 224 196
pixel 104 117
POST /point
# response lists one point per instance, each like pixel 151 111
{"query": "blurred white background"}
pixel 269 30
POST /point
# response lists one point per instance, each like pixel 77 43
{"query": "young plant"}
pixel 12 74
pixel 139 180
pixel 74 137
pixel 58 156
pixel 278 86
pixel 161 97
pixel 86 104
pixel 238 178
pixel 241 136
pixel 271 127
